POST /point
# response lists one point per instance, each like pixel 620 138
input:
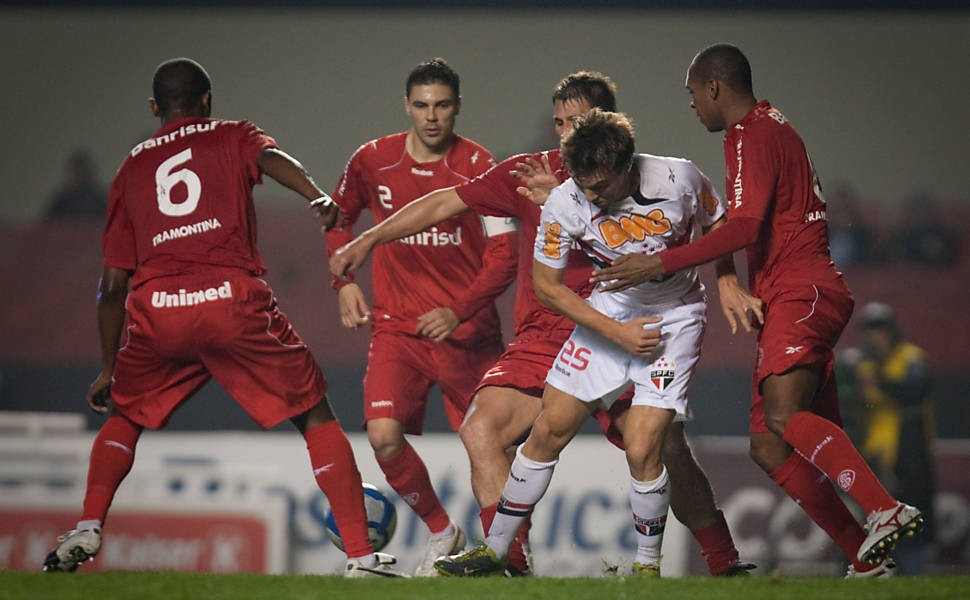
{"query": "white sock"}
pixel 82 525
pixel 527 482
pixel 447 532
pixel 650 501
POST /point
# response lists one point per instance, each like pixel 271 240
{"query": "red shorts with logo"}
pixel 402 368
pixel 801 328
pixel 182 330
pixel 524 366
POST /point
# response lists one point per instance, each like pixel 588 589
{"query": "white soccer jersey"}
pixel 673 199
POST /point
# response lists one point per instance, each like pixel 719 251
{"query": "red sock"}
pixel 827 447
pixel 807 486
pixel 112 455
pixel 517 557
pixel 407 474
pixel 717 546
pixel 336 473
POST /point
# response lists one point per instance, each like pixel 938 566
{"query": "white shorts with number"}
pixel 595 369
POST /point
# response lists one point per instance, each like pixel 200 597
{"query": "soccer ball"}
pixel 381 519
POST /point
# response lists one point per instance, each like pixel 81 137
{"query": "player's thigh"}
pixel 260 360
pixel 498 418
pixel 561 417
pixel 459 370
pixel 400 371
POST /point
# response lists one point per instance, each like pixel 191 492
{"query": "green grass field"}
pixel 174 586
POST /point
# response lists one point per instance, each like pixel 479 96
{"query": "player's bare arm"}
pixel 290 173
pixel 354 311
pixel 417 216
pixel 630 335
pixel 537 178
pixel 736 302
pixel 112 293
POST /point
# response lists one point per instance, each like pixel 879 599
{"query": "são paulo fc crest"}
pixel 662 373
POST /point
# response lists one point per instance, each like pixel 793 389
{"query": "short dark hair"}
pixel 598 141
pixel 595 88
pixel 725 63
pixel 435 70
pixel 179 84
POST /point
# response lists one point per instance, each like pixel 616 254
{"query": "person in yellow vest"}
pixel 897 421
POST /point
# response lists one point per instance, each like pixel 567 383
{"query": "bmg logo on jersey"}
pixel 433 237
pixel 662 373
pixel 163 299
pixel 633 228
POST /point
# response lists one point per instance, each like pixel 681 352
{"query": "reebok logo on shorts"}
pixel 380 403
pixel 185 298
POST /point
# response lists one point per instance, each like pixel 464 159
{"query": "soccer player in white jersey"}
pixel 616 202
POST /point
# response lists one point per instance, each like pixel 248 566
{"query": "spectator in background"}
pixel 81 195
pixel 896 421
pixel 924 236
pixel 850 240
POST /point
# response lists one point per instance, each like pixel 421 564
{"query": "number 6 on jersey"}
pixel 166 179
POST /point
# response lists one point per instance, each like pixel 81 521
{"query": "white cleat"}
pixel 74 548
pixel 438 547
pixel 883 570
pixel 356 570
pixel 886 527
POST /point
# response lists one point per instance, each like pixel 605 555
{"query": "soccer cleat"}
pixel 440 547
pixel 738 569
pixel 356 570
pixel 886 527
pixel 883 570
pixel 74 548
pixel 480 561
pixel 646 570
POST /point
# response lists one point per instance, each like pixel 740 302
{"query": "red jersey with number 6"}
pixel 770 178
pixel 184 198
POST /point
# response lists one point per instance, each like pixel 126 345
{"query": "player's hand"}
pixel 329 212
pixel 437 324
pixel 349 258
pixel 627 271
pixel 354 311
pixel 636 337
pixel 99 394
pixel 736 303
pixel 537 178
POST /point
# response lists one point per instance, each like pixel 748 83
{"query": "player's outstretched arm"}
pixel 112 293
pixel 290 173
pixel 537 178
pixel 428 210
pixel 631 335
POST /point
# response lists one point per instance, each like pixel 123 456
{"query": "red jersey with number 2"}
pixel 184 198
pixel 770 178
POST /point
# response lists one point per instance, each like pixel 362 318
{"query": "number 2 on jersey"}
pixel 166 179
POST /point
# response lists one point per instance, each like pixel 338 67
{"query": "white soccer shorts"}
pixel 595 369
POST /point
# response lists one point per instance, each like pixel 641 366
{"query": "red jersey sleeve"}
pixel 499 263
pixel 493 192
pixel 252 141
pixel 755 175
pixel 352 201
pixel 118 243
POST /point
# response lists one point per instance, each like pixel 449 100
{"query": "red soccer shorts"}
pixel 801 328
pixel 402 368
pixel 183 330
pixel 524 366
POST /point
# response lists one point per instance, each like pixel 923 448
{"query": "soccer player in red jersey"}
pixel 434 318
pixel 777 213
pixel 181 230
pixel 508 398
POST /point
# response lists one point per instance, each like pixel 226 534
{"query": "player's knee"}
pixel 776 422
pixel 768 456
pixel 384 441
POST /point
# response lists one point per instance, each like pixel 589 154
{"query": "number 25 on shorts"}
pixel 575 356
